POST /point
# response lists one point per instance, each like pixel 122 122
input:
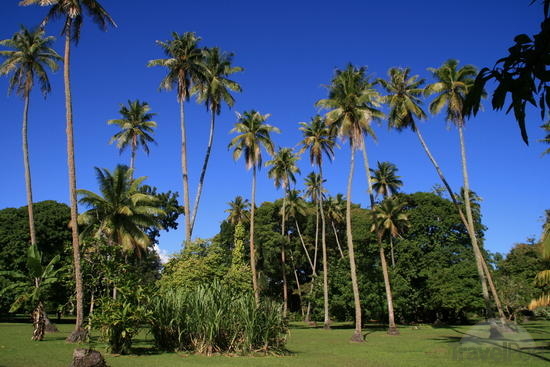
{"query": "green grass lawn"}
pixel 426 346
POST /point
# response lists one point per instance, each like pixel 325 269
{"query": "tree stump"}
pixel 87 358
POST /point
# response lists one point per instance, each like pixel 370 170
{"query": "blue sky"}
pixel 289 50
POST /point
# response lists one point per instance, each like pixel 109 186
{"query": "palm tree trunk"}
pixel 133 156
pixel 316 233
pixel 283 260
pixel 185 176
pixel 471 233
pixel 299 288
pixel 26 163
pixel 337 239
pixel 367 172
pixel 203 171
pixel 79 333
pixel 252 248
pixel 304 246
pixel 326 323
pixel 392 329
pixel 392 254
pixel 357 335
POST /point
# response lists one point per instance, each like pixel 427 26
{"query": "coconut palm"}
pixel 121 213
pixel 296 207
pixel 253 134
pixel 314 191
pixel 29 58
pixel 352 105
pixel 450 87
pixel 319 139
pixel 72 13
pixel 385 182
pixel 185 68
pixel 336 212
pixel 282 172
pixel 135 128
pixel 213 92
pixel 239 211
pixel 388 222
pixel 32 287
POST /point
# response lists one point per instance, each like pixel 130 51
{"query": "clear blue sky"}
pixel 289 50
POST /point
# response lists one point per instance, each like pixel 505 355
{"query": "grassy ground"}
pixel 425 346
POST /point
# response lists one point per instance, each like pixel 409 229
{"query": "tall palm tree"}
pixel 213 92
pixel 388 221
pixel 121 213
pixel 336 212
pixel 451 86
pixel 296 207
pixel 135 128
pixel 314 191
pixel 352 106
pixel 253 134
pixel 282 172
pixel 319 139
pixel 386 183
pixel 72 13
pixel 185 68
pixel 404 99
pixel 30 57
pixel 239 211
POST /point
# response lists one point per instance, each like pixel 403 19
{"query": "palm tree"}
pixel 239 211
pixel 546 139
pixel 451 86
pixel 386 183
pixel 121 213
pixel 296 207
pixel 32 287
pixel 28 60
pixel 72 11
pixel 314 191
pixel 135 128
pixel 388 221
pixel 185 68
pixel 283 168
pixel 253 134
pixel 352 107
pixel 319 139
pixel 213 91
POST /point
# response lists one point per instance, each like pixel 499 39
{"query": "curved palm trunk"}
pixel 252 248
pixel 325 260
pixel 203 171
pixel 392 329
pixel 471 233
pixel 367 172
pixel 304 246
pixel 79 334
pixel 337 239
pixel 133 157
pixel 26 163
pixel 357 335
pixel 283 260
pixel 185 175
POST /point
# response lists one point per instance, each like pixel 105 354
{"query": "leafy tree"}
pixel 121 213
pixel 168 203
pixel 185 68
pixel 72 11
pixel 282 172
pixel 352 103
pixel 451 86
pixel 29 59
pixel 213 92
pixel 135 128
pixel 32 287
pixel 253 134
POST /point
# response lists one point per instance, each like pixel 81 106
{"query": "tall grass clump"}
pixel 214 318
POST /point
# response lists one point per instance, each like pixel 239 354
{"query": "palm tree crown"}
pixel 404 92
pixel 314 186
pixel 283 168
pixel 295 205
pixel 121 213
pixel 385 182
pixel 353 104
pixel 318 138
pixel 238 210
pixel 253 135
pixel 136 126
pixel 451 86
pixel 389 219
pixel 28 60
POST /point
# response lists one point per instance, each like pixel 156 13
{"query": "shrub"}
pixel 215 318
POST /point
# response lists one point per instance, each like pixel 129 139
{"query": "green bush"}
pixel 215 318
